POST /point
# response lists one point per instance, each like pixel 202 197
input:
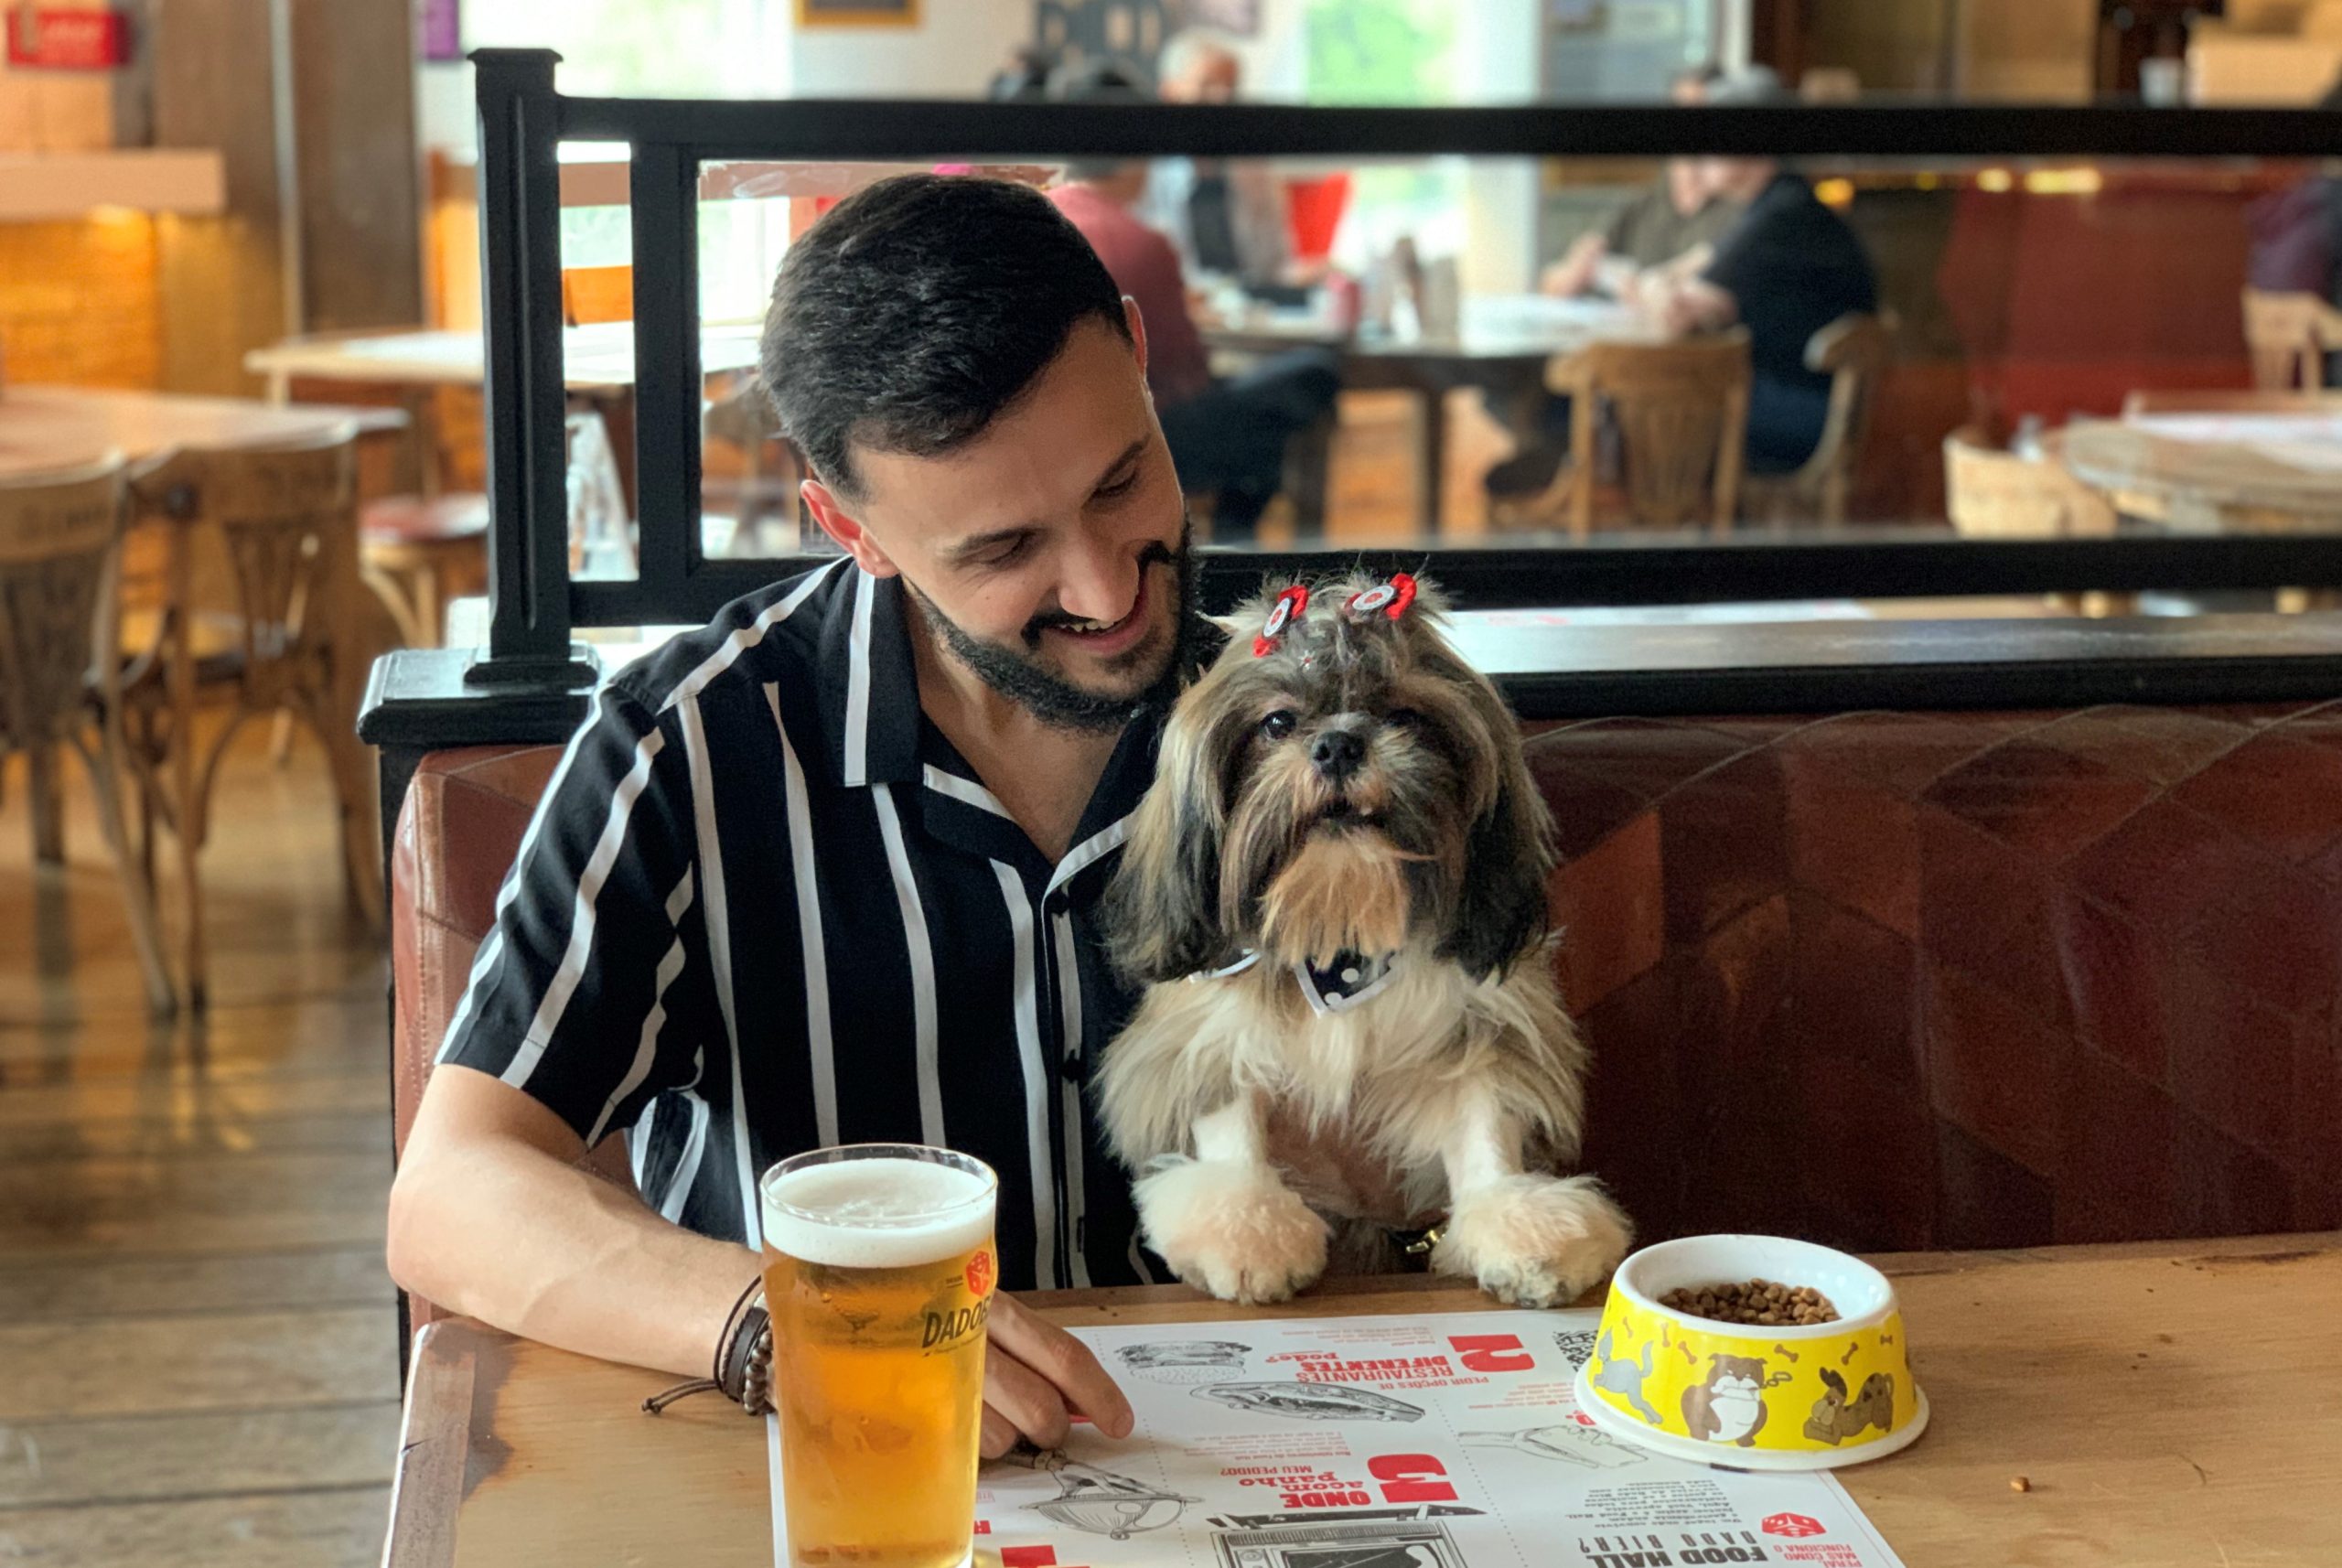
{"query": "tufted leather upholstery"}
pixel 1906 980
pixel 1887 980
pixel 459 830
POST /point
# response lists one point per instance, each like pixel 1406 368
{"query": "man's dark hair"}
pixel 917 311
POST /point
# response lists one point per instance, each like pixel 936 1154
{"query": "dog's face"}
pixel 1347 784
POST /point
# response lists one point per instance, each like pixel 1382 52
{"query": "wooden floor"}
pixel 198 1353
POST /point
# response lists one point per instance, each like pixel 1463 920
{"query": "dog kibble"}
pixel 1757 1302
pixel 2020 1483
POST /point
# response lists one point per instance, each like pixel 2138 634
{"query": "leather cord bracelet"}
pixel 742 1369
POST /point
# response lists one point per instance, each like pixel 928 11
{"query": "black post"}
pixel 667 377
pixel 520 207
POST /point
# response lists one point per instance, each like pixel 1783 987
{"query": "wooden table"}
pixel 2275 472
pixel 597 359
pixel 50 427
pixel 1502 345
pixel 2172 1403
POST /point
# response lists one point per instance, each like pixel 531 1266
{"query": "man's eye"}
pixel 1120 487
pixel 1279 724
pixel 1005 555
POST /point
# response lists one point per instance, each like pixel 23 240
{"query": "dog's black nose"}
pixel 1337 753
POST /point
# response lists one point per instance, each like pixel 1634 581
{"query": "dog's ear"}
pixel 1501 907
pixel 1163 906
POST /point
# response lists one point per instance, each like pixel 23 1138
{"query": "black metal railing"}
pixel 522 119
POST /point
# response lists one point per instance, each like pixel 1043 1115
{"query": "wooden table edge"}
pixel 434 1430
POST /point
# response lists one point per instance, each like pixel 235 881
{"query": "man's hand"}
pixel 1574 272
pixel 1036 1375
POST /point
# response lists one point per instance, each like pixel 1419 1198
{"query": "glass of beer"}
pixel 878 1274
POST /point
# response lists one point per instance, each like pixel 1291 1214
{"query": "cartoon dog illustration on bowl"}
pixel 1730 1406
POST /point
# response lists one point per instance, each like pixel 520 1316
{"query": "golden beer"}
pixel 878 1274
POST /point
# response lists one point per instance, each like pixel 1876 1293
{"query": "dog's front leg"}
pixel 1225 1219
pixel 1529 1240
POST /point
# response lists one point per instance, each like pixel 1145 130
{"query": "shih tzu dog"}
pixel 1334 895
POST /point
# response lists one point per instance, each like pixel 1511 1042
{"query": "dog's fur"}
pixel 1464 1075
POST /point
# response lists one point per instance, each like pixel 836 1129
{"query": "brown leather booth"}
pixel 1885 980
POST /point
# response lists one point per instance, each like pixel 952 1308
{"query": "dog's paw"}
pixel 1534 1241
pixel 1232 1228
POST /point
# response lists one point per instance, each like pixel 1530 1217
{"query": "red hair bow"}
pixel 1391 598
pixel 1282 615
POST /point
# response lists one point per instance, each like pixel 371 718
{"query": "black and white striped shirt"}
pixel 766 907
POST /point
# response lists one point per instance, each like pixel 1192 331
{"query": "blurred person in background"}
pixel 2297 239
pixel 1227 436
pixel 1228 219
pixel 1783 266
pixel 1673 218
pixel 1788 267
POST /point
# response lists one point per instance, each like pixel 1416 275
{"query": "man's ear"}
pixel 1137 324
pixel 841 525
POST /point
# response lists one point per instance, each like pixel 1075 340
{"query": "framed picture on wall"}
pixel 857 13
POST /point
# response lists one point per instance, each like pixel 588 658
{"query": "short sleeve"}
pixel 592 993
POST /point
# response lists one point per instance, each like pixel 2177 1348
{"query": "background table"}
pixel 2171 1403
pixel 50 427
pixel 598 359
pixel 2214 472
pixel 1501 345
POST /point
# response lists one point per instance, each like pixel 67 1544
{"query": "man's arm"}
pixel 492 1216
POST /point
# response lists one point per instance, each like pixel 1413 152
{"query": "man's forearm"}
pixel 517 1239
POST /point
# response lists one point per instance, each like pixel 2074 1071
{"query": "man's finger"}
pixel 1065 1361
pixel 1025 1397
pixel 999 1433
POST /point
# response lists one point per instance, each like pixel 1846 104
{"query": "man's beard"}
pixel 1058 702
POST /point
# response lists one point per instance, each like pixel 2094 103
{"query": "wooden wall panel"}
pixel 78 302
pixel 361 219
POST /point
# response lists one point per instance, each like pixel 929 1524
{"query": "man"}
pixel 828 871
pixel 1226 219
pixel 1786 269
pixel 1227 436
pixel 1674 218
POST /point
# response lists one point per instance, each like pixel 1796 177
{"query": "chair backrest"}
pixel 286 516
pixel 1854 351
pixel 58 528
pixel 2289 335
pixel 1993 494
pixel 2229 401
pixel 1680 414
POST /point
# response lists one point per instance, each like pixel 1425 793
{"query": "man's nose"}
pixel 1336 754
pixel 1101 581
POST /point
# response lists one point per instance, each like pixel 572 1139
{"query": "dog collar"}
pixel 1350 980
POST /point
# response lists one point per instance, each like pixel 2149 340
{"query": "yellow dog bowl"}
pixel 1755 1397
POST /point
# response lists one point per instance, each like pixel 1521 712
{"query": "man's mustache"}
pixel 1157 553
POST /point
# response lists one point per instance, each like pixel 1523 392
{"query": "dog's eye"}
pixel 1279 724
pixel 1405 718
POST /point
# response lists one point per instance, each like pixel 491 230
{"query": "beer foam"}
pixel 880 1213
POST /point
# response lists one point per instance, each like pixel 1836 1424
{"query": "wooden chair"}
pixel 60 530
pixel 286 518
pixel 1854 351
pixel 1679 413
pixel 1994 494
pixel 1990 493
pixel 2289 335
